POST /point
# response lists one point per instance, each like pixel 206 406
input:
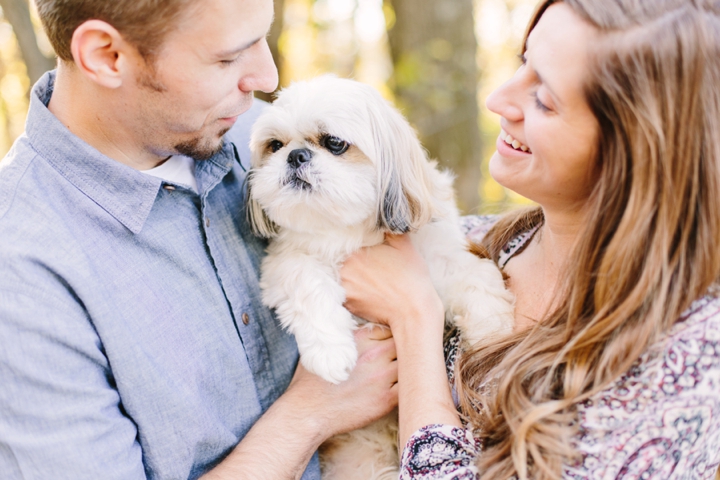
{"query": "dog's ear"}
pixel 405 200
pixel 257 218
pixel 394 212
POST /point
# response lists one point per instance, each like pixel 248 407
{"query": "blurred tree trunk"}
pixel 17 13
pixel 275 32
pixel 433 48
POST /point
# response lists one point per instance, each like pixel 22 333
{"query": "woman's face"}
pixel 545 117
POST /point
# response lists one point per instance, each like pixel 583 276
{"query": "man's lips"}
pixel 230 119
pixel 242 108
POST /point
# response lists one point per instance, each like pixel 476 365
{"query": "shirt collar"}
pixel 123 192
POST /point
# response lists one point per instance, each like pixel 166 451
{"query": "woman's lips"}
pixel 507 150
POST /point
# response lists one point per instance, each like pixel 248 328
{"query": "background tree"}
pixel 419 53
pixel 17 13
pixel 435 80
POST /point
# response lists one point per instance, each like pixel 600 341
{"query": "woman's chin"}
pixel 508 176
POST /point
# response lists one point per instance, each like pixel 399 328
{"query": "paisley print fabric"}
pixel 660 420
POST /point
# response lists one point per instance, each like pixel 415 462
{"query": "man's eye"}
pixel 232 61
pixel 334 145
pixel 275 145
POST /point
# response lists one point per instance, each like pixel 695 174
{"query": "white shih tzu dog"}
pixel 334 168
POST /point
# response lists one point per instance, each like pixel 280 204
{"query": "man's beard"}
pixel 201 148
pixel 198 148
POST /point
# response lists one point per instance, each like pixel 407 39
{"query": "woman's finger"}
pixel 373 331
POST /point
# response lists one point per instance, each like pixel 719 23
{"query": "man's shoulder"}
pixel 14 169
pixel 33 201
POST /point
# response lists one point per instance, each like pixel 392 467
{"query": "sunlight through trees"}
pixel 437 60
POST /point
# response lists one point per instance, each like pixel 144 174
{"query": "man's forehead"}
pixel 223 26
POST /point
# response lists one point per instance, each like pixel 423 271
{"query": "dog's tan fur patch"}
pixel 355 155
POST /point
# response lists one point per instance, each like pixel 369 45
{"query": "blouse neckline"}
pixel 516 245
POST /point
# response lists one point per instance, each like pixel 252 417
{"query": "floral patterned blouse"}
pixel 660 420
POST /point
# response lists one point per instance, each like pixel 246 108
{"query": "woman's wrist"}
pixel 424 392
pixel 424 317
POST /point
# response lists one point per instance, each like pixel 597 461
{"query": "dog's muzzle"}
pixel 299 157
pixel 296 174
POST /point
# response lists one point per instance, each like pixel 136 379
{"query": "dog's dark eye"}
pixel 275 145
pixel 334 144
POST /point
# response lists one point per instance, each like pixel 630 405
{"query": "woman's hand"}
pixel 390 284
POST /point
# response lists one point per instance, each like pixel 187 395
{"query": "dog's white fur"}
pixel 333 205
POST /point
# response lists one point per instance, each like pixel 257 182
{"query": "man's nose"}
pixel 264 76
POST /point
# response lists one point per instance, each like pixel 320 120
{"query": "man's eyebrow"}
pixel 238 50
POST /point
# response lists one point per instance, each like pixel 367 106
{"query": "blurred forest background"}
pixel 437 60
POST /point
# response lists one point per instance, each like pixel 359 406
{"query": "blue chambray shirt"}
pixel 133 343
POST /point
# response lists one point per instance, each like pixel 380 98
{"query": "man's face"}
pixel 202 78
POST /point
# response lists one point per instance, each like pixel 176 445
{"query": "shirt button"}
pixel 207 222
pixel 245 318
pixel 168 187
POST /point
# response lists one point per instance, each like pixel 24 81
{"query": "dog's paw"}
pixel 331 362
pixel 483 315
pixel 481 306
pixel 474 327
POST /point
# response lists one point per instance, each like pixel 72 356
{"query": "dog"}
pixel 335 167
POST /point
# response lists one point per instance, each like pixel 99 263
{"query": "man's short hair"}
pixel 143 23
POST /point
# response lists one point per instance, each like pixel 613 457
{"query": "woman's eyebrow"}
pixel 539 77
pixel 555 98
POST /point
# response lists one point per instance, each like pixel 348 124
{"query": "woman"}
pixel 612 125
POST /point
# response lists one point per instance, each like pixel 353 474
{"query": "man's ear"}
pixel 100 52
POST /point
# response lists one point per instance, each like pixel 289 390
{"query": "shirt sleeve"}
pixel 475 227
pixel 440 452
pixel 60 415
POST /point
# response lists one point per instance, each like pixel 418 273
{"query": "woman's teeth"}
pixel 507 138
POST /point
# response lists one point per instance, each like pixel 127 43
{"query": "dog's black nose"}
pixel 299 156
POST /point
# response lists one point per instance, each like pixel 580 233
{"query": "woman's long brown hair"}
pixel 650 246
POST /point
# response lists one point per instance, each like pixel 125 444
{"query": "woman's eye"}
pixel 334 145
pixel 541 106
pixel 275 145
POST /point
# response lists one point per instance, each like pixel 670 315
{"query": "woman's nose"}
pixel 506 101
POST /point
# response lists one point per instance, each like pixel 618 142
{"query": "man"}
pixel 133 343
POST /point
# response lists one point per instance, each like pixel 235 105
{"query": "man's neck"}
pixel 87 110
